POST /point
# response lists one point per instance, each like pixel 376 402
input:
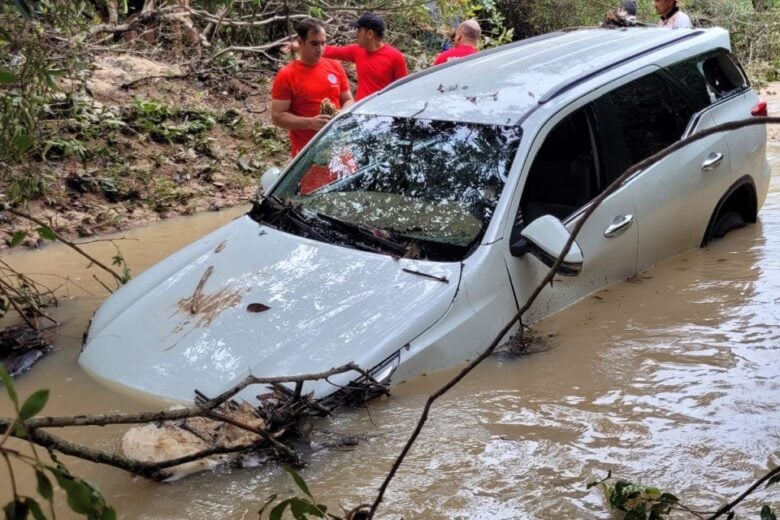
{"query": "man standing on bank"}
pixel 671 16
pixel 466 40
pixel 302 85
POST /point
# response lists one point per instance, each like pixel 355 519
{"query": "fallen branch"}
pixel 72 245
pixel 204 408
pixel 259 49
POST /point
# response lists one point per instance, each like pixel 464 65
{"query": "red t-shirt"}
pixel 461 51
pixel 375 70
pixel 306 86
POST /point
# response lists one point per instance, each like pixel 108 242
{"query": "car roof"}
pixel 503 85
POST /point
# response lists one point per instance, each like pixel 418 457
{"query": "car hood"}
pixel 249 299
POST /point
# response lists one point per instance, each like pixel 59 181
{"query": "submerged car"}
pixel 410 231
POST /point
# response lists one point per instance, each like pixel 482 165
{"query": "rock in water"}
pixel 158 442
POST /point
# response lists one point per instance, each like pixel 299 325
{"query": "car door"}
pixel 565 172
pixel 676 196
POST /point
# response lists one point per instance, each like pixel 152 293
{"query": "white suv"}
pixel 407 234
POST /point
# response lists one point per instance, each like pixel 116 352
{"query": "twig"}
pixel 591 207
pixel 130 84
pixel 19 311
pixel 728 507
pixel 5 207
pixel 257 49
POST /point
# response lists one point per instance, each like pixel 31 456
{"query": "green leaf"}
pixel 80 497
pixel 774 480
pixel 34 404
pixel 277 512
pixel 636 513
pixel 23 142
pixel 17 238
pixel 298 481
pixel 45 488
pixel 46 233
pixel 34 508
pixel 265 506
pixel 767 514
pixel 668 497
pixel 16 510
pixel 300 508
pixel 7 77
pixel 108 513
pixel 9 387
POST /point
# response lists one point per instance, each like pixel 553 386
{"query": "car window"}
pixel 564 175
pixel 709 77
pixel 650 115
pixel 428 180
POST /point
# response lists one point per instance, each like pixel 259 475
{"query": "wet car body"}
pixel 409 232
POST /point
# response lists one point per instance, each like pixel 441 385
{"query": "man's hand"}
pixel 290 46
pixel 318 121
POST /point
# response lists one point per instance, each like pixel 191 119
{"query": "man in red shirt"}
pixel 378 64
pixel 301 86
pixel 466 40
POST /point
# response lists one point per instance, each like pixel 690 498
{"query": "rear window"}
pixel 650 115
pixel 709 77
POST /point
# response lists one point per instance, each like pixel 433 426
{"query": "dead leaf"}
pixel 220 247
pixel 257 307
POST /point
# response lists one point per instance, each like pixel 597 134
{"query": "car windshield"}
pixel 435 183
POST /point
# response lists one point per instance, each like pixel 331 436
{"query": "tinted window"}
pixel 564 175
pixel 709 77
pixel 650 115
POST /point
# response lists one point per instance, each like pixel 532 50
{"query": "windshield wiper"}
pixel 296 216
pixel 375 235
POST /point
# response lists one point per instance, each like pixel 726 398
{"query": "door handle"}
pixel 619 224
pixel 712 161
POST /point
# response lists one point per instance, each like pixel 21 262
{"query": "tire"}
pixel 727 221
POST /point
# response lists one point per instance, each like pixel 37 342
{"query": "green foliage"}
pixel 300 507
pixel 118 260
pixel 164 193
pixel 28 184
pixel 84 497
pixel 30 63
pixel 167 124
pixel 639 502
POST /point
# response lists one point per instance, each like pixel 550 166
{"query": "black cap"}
pixel 629 6
pixel 370 21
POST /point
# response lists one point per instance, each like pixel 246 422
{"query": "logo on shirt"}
pixel 333 79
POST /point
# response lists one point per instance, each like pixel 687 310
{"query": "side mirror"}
pixel 269 178
pixel 545 238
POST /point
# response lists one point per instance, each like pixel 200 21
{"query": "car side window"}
pixel 650 115
pixel 565 174
pixel 709 77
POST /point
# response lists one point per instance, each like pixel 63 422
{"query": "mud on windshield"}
pixel 409 187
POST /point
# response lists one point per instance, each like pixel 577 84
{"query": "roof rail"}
pixel 488 52
pixel 571 83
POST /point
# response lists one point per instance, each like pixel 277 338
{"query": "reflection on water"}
pixel 670 379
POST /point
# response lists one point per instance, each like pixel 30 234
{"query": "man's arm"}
pixel 343 53
pixel 346 99
pixel 283 118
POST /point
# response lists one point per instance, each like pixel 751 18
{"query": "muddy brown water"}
pixel 671 379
